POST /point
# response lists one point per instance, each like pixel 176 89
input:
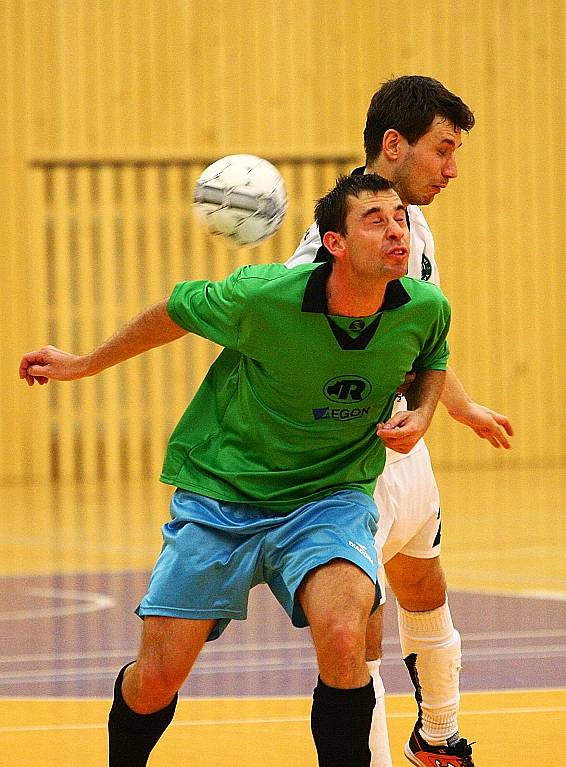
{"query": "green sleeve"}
pixel 435 353
pixel 209 309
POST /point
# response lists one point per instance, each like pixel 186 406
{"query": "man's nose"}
pixel 395 231
pixel 450 169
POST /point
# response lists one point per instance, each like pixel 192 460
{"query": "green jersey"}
pixel 287 413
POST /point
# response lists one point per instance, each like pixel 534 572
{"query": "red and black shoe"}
pixel 421 753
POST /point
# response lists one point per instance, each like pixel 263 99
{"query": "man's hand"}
pixel 51 363
pixel 486 423
pixel 153 327
pixel 403 430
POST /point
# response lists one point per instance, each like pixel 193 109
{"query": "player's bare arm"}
pixel 153 327
pixel 404 429
pixel 486 423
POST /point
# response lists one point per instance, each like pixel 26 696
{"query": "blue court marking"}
pixel 67 635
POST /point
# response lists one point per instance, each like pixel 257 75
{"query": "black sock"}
pixel 132 736
pixel 341 723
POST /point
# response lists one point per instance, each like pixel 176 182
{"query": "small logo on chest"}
pixel 426 268
pixel 347 389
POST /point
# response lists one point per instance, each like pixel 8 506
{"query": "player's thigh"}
pixel 418 584
pixel 336 592
pixel 337 598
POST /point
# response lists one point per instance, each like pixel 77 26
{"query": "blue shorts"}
pixel 214 552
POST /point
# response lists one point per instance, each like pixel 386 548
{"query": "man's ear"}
pixel 334 243
pixel 392 144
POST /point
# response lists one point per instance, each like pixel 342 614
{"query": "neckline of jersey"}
pixel 315 300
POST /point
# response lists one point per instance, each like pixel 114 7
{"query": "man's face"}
pixel 377 235
pixel 426 167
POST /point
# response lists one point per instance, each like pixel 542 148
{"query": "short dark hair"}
pixel 331 210
pixel 409 105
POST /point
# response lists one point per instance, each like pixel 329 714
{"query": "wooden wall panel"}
pixel 92 88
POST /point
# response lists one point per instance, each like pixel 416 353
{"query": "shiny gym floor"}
pixel 74 560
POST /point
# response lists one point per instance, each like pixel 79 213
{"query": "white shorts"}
pixel 409 511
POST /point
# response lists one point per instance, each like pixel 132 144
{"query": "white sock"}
pixel 379 739
pixel 432 650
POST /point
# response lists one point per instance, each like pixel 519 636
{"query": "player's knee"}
pixel 422 588
pixel 423 595
pixel 341 648
pixel 151 687
pixel 342 638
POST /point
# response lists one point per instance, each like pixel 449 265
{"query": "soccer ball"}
pixel 242 198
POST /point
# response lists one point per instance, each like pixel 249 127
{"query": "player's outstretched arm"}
pixel 486 423
pixel 404 429
pixel 153 327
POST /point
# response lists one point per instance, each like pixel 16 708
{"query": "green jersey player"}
pixel 276 457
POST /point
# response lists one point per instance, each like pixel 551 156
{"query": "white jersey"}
pixel 422 266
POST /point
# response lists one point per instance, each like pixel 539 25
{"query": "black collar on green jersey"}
pixel 315 301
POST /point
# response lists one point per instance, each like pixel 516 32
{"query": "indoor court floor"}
pixel 75 560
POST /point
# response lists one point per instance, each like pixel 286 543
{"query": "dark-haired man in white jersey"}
pixel 414 127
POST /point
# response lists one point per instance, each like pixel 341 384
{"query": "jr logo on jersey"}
pixel 347 389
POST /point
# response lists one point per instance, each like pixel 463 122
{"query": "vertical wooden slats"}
pixel 131 218
pixel 11 462
pixel 86 318
pixel 150 77
pixel 111 381
pixel 62 307
pixel 156 372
